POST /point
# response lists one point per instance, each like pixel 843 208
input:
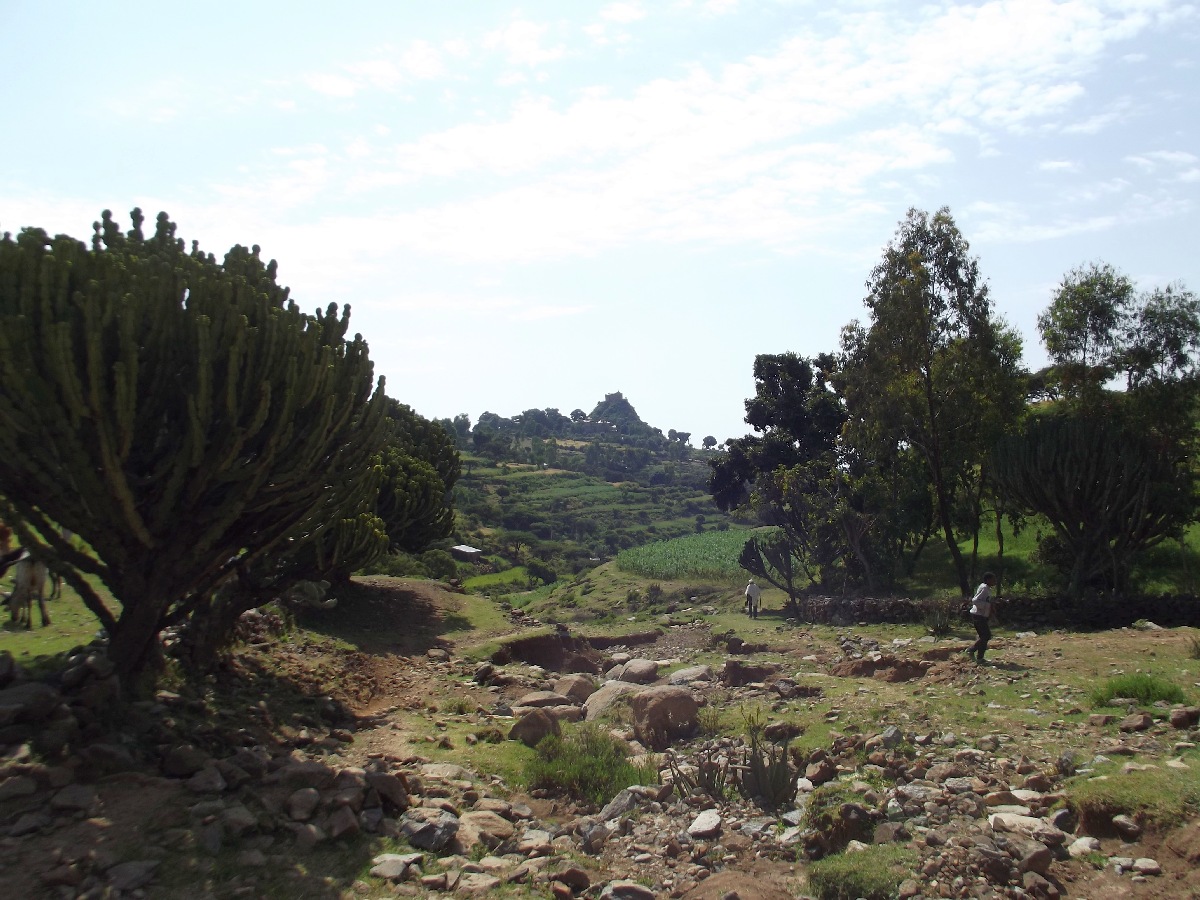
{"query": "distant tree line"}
pixel 924 425
pixel 620 444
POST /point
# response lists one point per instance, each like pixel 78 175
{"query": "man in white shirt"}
pixel 753 594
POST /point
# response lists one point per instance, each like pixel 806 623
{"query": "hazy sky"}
pixel 535 204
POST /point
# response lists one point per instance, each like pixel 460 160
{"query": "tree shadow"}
pixel 386 615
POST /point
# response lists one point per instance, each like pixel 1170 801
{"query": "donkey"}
pixel 29 582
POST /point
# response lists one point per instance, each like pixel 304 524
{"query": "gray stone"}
pixel 544 698
pixel 390 866
pixel 662 714
pixel 184 761
pixel 640 671
pixel 343 821
pixel 1127 827
pixel 533 727
pixel 129 876
pixel 576 686
pixel 623 802
pixel 1147 866
pixel 32 701
pixel 428 829
pixel 706 825
pixel 477 883
pixel 29 823
pixel 17 786
pixel 483 827
pixel 302 803
pixel 237 820
pixel 390 788
pixel 626 890
pixel 1082 846
pixel 208 780
pixel 75 798
pixel 691 674
pixel 603 699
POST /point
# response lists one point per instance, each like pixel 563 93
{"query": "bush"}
pixel 940 617
pixel 872 874
pixel 1145 689
pixel 587 764
pixel 1193 647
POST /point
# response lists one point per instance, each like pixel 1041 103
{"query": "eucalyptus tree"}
pixel 934 371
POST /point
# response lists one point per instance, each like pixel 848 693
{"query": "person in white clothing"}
pixel 753 593
pixel 981 611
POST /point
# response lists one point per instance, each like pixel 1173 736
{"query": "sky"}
pixel 536 204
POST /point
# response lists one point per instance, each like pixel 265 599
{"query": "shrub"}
pixel 1145 689
pixel 767 775
pixel 872 874
pixel 940 616
pixel 587 763
pixel 1193 647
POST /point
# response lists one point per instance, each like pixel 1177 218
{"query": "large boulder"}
pixel 690 674
pixel 600 702
pixel 533 726
pixel 640 671
pixel 578 687
pixel 662 714
pixel 544 698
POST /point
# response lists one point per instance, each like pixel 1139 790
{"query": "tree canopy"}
pixel 934 370
pixel 180 414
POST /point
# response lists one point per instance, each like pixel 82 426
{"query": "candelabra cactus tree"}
pixel 181 415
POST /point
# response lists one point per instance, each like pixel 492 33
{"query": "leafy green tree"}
pixel 709 442
pixel 797 416
pixel 539 572
pixel 934 370
pixel 420 468
pixel 1162 338
pixel 1083 326
pixel 181 415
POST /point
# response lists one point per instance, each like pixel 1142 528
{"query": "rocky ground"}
pixel 302 770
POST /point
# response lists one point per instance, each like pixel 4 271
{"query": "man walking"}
pixel 753 593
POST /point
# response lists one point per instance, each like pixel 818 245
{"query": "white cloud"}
pixel 384 70
pixel 521 41
pixel 1058 165
pixel 332 85
pixel 623 13
pixel 776 148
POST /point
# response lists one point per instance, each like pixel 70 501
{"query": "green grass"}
pixel 72 625
pixel 1160 798
pixel 872 874
pixel 515 575
pixel 1145 689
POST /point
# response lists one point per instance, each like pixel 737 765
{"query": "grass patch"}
pixel 587 764
pixel 872 874
pixel 1145 689
pixel 1158 798
pixel 836 813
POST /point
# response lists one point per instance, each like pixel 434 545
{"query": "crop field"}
pixel 710 555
